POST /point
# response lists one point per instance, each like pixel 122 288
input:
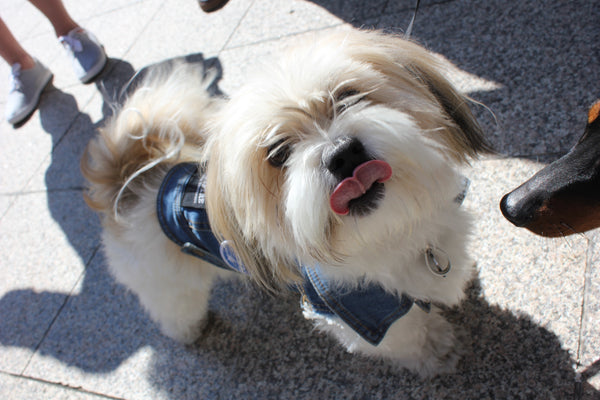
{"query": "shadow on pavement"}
pixel 538 53
pixel 30 318
pixel 541 56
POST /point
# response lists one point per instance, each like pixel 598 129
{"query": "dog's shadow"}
pixel 256 346
pixel 261 347
pixel 76 329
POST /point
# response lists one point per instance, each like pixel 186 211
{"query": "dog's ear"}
pixel 466 135
pixel 411 67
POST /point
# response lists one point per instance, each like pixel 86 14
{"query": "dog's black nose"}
pixel 517 209
pixel 346 154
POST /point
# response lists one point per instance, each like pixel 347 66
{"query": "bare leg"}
pixel 57 14
pixel 11 51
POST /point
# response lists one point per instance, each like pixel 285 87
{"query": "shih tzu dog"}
pixel 334 173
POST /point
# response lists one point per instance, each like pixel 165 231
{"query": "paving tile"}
pixel 545 74
pixel 197 32
pixel 591 316
pixel 261 347
pixel 128 18
pixel 22 152
pixel 61 170
pixel 23 19
pixel 11 6
pixel 18 169
pixel 82 11
pixel 26 148
pixel 14 388
pixel 285 18
pixel 590 340
pixel 127 25
pixel 356 12
pixel 6 200
pixel 128 21
pixel 100 341
pixel 46 239
pixel 519 270
pixel 255 346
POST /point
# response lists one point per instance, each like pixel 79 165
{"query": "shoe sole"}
pixel 213 8
pixel 23 115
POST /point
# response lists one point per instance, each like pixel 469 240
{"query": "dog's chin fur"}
pixel 385 92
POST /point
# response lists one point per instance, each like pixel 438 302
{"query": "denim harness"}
pixel 366 308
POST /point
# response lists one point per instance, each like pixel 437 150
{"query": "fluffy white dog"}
pixel 333 173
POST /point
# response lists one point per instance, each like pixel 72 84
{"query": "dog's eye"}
pixel 347 98
pixel 278 153
pixel 344 94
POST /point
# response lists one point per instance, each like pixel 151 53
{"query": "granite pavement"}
pixel 69 331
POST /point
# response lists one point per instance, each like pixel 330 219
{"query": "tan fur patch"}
pixel 594 112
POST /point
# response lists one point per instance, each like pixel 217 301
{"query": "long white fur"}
pixel 278 219
pixel 172 286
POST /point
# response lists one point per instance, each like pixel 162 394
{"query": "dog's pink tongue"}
pixel 363 177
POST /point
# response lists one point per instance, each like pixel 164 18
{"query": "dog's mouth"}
pixel 360 193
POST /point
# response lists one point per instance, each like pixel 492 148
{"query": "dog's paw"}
pixel 185 332
pixel 442 350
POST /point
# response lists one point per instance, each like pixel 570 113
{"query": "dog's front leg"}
pixel 422 342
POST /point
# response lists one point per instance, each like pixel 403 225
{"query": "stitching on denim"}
pixel 372 334
pixel 356 324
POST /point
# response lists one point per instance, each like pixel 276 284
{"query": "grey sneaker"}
pixel 25 90
pixel 86 52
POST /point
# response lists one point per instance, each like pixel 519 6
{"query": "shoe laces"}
pixel 15 78
pixel 71 42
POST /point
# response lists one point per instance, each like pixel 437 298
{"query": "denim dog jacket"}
pixel 367 308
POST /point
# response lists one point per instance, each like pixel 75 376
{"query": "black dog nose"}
pixel 346 154
pixel 517 209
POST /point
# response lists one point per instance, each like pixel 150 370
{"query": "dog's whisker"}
pixel 488 109
pixel 564 235
pixel 572 230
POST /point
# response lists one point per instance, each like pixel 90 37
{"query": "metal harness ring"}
pixel 438 261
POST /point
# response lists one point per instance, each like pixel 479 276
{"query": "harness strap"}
pixel 180 208
pixel 368 309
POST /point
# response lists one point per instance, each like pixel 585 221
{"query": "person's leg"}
pixel 29 77
pixel 88 57
pixel 11 51
pixel 57 14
